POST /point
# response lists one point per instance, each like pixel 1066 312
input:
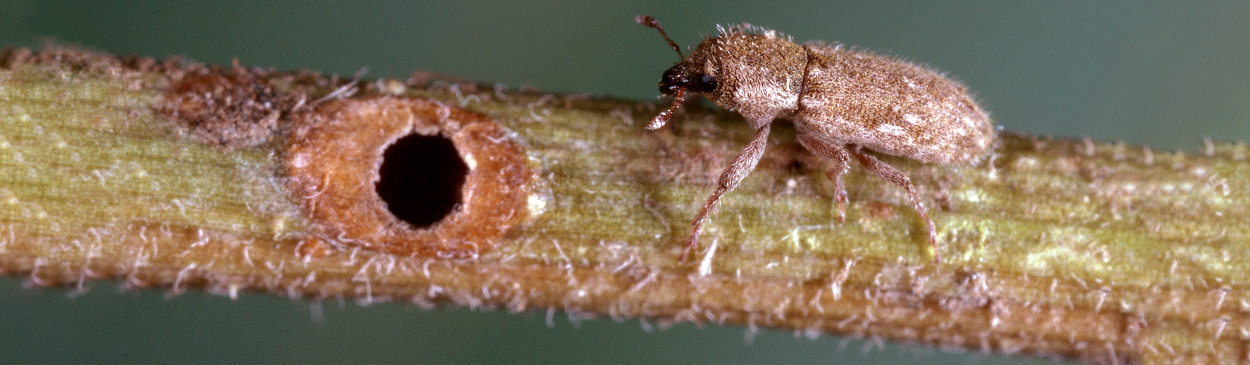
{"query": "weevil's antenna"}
pixel 659 120
pixel 647 20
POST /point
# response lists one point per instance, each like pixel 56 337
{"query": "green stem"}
pixel 1083 249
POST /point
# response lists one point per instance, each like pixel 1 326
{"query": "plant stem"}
pixel 1072 248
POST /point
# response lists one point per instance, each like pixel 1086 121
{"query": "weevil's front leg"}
pixel 891 174
pixel 738 169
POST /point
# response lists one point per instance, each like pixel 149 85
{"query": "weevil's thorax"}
pixel 757 75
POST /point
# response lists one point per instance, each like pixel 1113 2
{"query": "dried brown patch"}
pixel 334 159
pixel 234 108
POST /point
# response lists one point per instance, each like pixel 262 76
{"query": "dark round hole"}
pixel 420 179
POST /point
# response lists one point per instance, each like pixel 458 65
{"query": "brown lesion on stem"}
pixel 231 108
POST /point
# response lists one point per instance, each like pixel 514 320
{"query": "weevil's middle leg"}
pixel 836 153
pixel 891 174
pixel 738 169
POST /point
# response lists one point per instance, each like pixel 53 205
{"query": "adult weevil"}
pixel 841 101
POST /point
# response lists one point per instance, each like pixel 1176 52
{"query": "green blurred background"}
pixel 1158 73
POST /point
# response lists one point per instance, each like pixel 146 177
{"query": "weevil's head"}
pixel 689 77
pixel 748 70
pixel 680 79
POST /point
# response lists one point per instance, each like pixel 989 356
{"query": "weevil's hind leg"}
pixel 897 178
pixel 738 169
pixel 833 152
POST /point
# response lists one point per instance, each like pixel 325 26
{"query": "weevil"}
pixel 841 102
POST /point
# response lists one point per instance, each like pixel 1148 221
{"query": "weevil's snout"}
pixel 681 77
pixel 673 81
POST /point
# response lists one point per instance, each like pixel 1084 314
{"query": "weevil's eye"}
pixel 703 83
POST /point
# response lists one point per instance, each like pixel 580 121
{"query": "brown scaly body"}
pixel 841 101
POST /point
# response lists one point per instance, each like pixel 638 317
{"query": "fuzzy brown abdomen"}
pixel 891 106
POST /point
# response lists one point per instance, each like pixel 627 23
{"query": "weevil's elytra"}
pixel 841 102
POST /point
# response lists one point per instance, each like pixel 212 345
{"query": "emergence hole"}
pixel 420 179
